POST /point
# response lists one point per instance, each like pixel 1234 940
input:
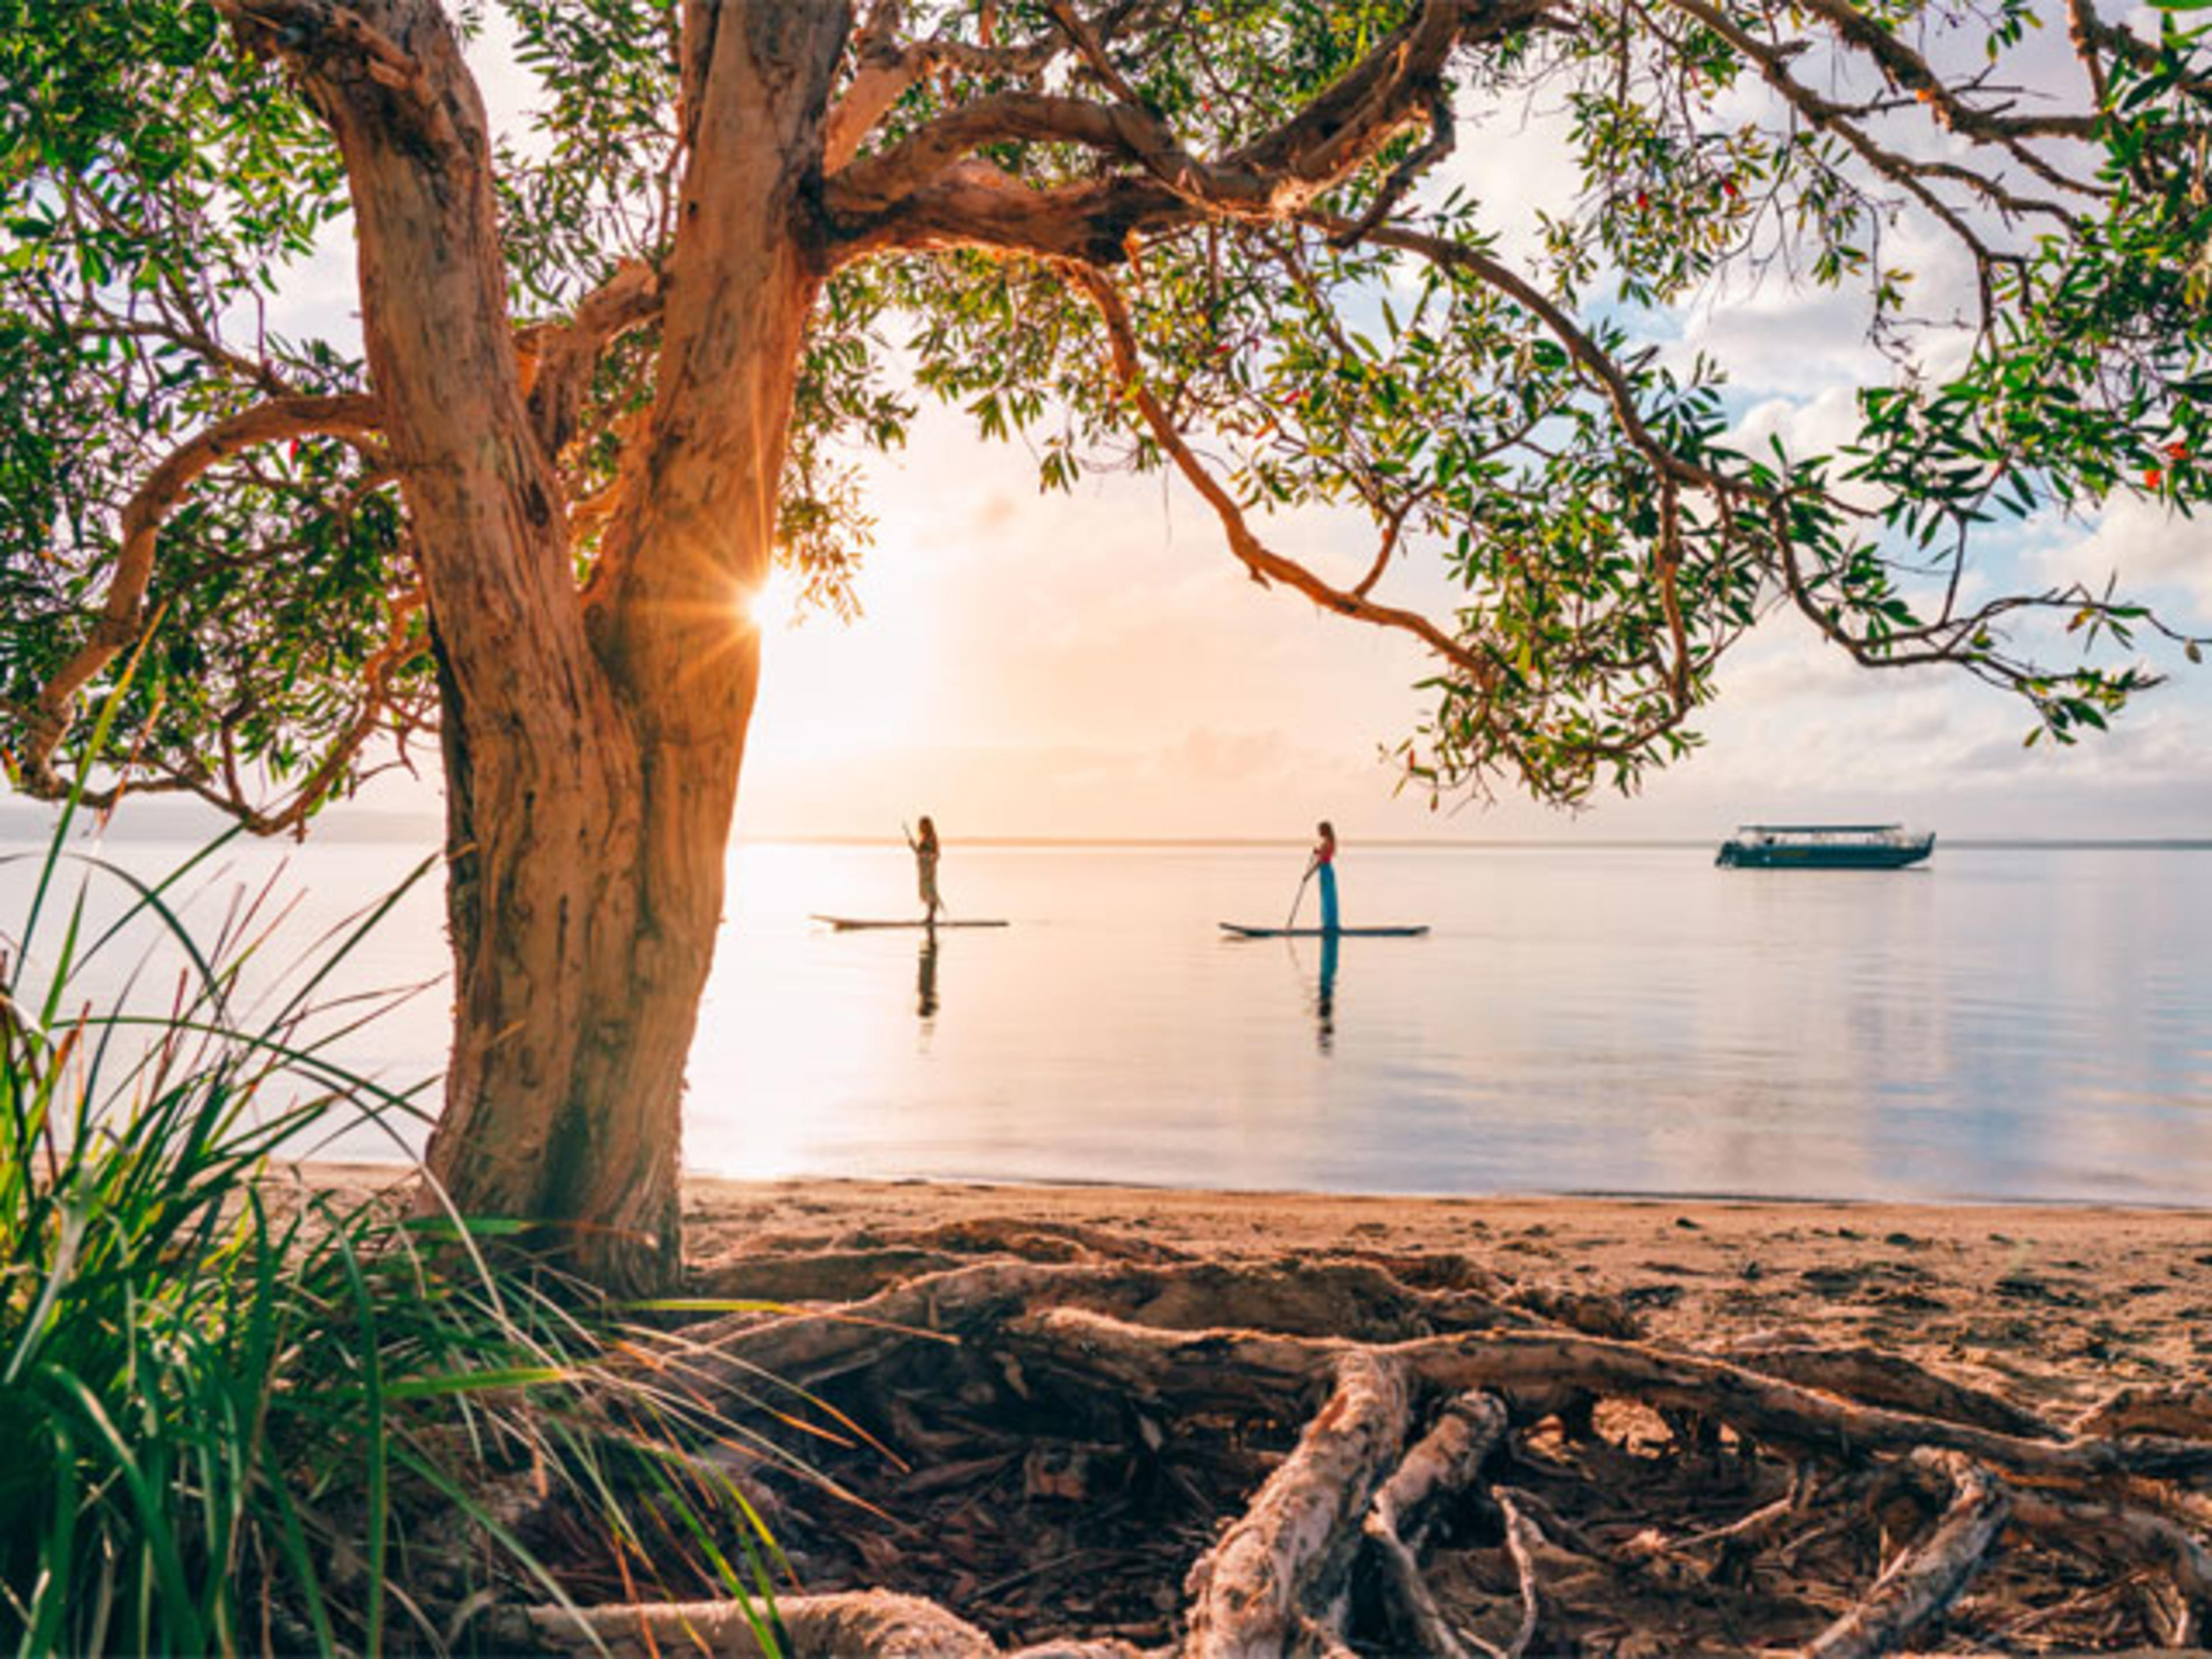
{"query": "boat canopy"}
pixel 1818 829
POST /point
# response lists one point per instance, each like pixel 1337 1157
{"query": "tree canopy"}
pixel 1149 233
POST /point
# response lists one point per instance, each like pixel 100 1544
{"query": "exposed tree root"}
pixel 1443 1463
pixel 1039 1240
pixel 1286 1557
pixel 1746 1531
pixel 1766 1408
pixel 1361 1456
pixel 1887 1379
pixel 2129 1537
pixel 834 1626
pixel 1521 1539
pixel 2183 1409
pixel 830 1275
pixel 1914 1590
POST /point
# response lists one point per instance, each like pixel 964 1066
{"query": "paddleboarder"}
pixel 923 843
pixel 1324 864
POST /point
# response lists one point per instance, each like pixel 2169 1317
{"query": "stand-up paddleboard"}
pixel 846 924
pixel 1243 932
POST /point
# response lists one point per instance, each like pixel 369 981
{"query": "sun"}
pixel 772 607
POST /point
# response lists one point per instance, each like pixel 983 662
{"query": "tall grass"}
pixel 238 1419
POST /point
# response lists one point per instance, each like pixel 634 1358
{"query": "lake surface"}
pixel 2005 1022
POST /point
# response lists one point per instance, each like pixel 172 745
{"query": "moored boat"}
pixel 1824 847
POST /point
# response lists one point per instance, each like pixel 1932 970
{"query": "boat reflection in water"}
pixel 1824 847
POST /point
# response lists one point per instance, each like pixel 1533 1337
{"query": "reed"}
pixel 241 1418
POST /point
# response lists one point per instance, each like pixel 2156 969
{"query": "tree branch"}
pixel 1611 382
pixel 122 614
pixel 1272 179
pixel 1265 565
pixel 334 39
pixel 1907 69
pixel 887 71
pixel 1827 115
pixel 558 358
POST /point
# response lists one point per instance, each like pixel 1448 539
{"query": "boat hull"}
pixel 1732 856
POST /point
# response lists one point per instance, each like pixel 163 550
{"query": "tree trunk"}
pixel 594 747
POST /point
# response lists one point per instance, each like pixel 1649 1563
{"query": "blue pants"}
pixel 1329 921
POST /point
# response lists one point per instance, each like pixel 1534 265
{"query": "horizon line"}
pixel 371 819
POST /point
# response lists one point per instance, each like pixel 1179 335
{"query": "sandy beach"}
pixel 1030 1514
pixel 2055 1305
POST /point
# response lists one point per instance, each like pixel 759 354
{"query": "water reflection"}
pixel 1325 997
pixel 2015 1023
pixel 925 979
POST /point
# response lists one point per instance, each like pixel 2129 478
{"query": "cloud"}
pixel 1819 425
pixel 2143 543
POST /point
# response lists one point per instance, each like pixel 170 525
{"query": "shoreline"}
pixel 354 1170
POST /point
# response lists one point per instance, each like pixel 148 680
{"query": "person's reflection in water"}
pixel 925 979
pixel 1325 997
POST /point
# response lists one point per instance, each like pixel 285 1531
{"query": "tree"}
pixel 609 376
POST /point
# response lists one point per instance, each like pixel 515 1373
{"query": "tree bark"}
pixel 592 742
pixel 691 540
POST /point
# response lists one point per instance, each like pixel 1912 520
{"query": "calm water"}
pixel 2006 1023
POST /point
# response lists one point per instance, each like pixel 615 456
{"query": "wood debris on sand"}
pixel 1061 1436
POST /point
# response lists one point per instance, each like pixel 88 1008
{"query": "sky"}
pixel 1095 665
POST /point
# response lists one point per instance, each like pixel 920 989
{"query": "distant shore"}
pixel 2053 1305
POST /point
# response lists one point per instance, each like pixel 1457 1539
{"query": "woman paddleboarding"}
pixel 1324 864
pixel 1321 863
pixel 923 843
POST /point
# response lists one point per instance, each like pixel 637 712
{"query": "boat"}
pixel 1823 847
pixel 848 924
pixel 1239 930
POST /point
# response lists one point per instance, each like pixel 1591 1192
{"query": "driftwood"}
pixel 1383 1454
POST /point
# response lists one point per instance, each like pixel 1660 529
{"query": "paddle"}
pixel 1298 898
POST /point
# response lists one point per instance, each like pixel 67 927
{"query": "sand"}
pixel 2054 1306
